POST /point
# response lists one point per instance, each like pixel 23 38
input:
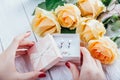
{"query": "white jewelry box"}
pixel 69 45
pixel 44 54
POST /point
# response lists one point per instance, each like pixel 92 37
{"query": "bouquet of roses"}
pixel 83 17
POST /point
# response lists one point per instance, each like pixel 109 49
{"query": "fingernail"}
pixel 42 75
pixel 81 60
pixel 67 64
pixel 28 31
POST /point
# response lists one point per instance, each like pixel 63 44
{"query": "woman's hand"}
pixel 91 69
pixel 7 60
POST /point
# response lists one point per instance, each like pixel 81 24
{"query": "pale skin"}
pixel 91 69
pixel 7 60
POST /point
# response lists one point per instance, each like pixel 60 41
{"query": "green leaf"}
pixel 106 21
pixel 66 30
pixel 72 1
pixel 116 39
pixel 115 26
pixel 118 1
pixel 52 4
pixel 118 42
pixel 111 20
pixel 106 2
pixel 33 13
pixel 115 17
pixel 41 5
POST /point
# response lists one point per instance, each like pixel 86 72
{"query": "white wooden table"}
pixel 15 19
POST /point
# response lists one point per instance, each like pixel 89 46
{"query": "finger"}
pixel 98 63
pixel 87 59
pixel 31 75
pixel 26 44
pixel 19 53
pixel 74 70
pixel 24 47
pixel 86 55
pixel 81 59
pixel 14 45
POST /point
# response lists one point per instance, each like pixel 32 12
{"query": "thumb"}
pixel 31 75
pixel 74 70
pixel 87 58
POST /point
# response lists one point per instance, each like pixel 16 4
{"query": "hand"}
pixel 91 69
pixel 7 60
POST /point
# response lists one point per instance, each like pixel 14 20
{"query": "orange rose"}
pixel 91 8
pixel 68 15
pixel 90 29
pixel 45 22
pixel 103 49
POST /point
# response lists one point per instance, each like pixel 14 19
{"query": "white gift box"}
pixel 69 46
pixel 55 50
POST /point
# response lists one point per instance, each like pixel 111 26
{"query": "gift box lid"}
pixel 44 54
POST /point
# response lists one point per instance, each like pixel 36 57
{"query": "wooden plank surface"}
pixel 61 73
pixel 113 71
pixel 1 48
pixel 13 21
pixel 29 7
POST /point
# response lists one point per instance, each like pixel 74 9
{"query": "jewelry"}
pixel 61 44
pixel 69 43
